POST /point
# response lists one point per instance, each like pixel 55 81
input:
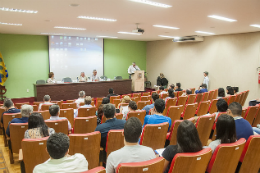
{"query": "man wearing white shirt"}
pixel 95 77
pixel 81 98
pixel 60 161
pixel 82 77
pixel 132 68
pixel 47 101
pixel 206 79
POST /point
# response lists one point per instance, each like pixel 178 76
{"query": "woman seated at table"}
pixel 131 108
pixel 51 78
pixel 37 127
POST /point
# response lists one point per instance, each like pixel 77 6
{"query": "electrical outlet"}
pixel 27 90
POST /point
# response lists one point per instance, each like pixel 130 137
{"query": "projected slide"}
pixel 69 56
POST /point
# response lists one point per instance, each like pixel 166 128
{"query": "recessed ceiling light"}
pixel 64 27
pixel 131 33
pixel 43 33
pixel 106 37
pixel 222 18
pixel 74 5
pixel 96 18
pixel 168 27
pixel 17 10
pixel 203 32
pixel 167 36
pixel 152 3
pixel 255 25
pixel 14 24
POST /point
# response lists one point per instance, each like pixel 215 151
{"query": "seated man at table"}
pixel 81 98
pixel 111 123
pixel 157 116
pixel 88 101
pixel 111 93
pixel 95 77
pixel 26 111
pixel 55 112
pixel 147 108
pixel 132 151
pixel 9 106
pixel 82 77
pixel 47 101
pixel 60 161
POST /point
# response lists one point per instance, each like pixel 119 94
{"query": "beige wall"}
pixel 229 59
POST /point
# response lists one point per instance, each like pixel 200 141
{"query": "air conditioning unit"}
pixel 193 38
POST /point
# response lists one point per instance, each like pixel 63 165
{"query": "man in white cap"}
pixel 132 68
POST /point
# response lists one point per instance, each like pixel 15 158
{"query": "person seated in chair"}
pixel 88 101
pixel 157 116
pixel 230 90
pixel 95 77
pixel 55 112
pixel 186 92
pixel 46 100
pixel 162 91
pixel 9 107
pixel 172 86
pixel 81 98
pixel 202 89
pixel 111 93
pixel 171 94
pixel 221 93
pixel 178 87
pixel 82 77
pixel 132 151
pixel 51 78
pixel 147 108
pixel 222 106
pixel 26 110
pixel 60 160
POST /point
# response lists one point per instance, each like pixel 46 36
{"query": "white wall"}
pixel 229 59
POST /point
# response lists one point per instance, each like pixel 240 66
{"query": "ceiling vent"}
pixel 193 38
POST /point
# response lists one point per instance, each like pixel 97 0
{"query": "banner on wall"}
pixel 3 70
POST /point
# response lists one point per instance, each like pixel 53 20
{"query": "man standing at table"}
pixel 132 68
pixel 95 77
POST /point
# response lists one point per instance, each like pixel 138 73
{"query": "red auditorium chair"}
pixel 99 169
pixel 150 166
pixel 68 105
pixel 203 108
pixel 195 162
pixel 213 106
pixel 85 124
pixel 67 113
pixel 174 112
pixel 205 96
pixel 226 157
pixel 231 99
pixel 138 114
pixel 144 98
pixel 251 113
pixel 192 90
pixel 58 125
pixel 189 111
pixel 191 99
pixel 181 100
pixel 211 95
pixel 169 102
pixel 19 105
pixel 146 93
pixel 257 118
pixel 115 141
pixel 199 97
pixel 142 104
pixel 215 95
pixel 214 125
pixel 86 112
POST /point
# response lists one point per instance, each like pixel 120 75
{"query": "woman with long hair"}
pixel 37 127
pixel 221 93
pixel 187 141
pixel 171 94
pixel 225 130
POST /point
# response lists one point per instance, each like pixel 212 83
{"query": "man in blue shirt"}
pixel 26 111
pixel 202 90
pixel 147 108
pixel 243 127
pixel 111 123
pixel 157 114
pixel 9 105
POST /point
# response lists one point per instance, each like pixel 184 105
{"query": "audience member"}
pixel 26 110
pixel 131 108
pixel 157 114
pixel 124 109
pixel 46 101
pixel 111 93
pixel 9 106
pixel 202 89
pixel 110 124
pixel 187 92
pixel 171 94
pixel 221 93
pixel 243 127
pixel 100 109
pixel 172 86
pixel 81 98
pixel 37 127
pixel 60 161
pixel 222 106
pixel 162 91
pixel 147 108
pixel 55 112
pixel 161 80
pixel 257 129
pixel 83 77
pixel 230 90
pixel 235 90
pixel 178 87
pixel 132 151
pixel 225 130
pixel 88 101
pixel 206 79
pixel 188 141
pixel 51 78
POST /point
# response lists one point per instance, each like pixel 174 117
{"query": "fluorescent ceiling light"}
pixel 106 37
pixel 14 24
pixel 168 27
pixel 157 4
pixel 202 32
pixel 17 10
pixel 167 36
pixel 131 33
pixel 96 18
pixel 255 25
pixel 63 27
pixel 222 18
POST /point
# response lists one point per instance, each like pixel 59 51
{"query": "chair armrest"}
pixel 20 155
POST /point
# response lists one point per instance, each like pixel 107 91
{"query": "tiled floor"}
pixel 4 156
